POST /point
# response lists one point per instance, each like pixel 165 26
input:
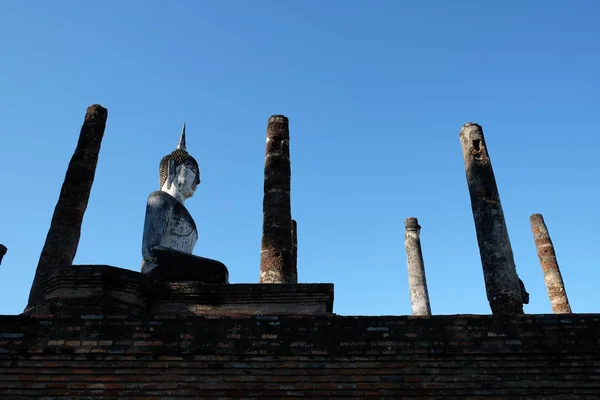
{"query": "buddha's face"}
pixel 186 179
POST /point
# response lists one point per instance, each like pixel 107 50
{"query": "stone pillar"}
pixel 276 251
pixel 294 251
pixel 65 229
pixel 547 256
pixel 501 280
pixel 3 251
pixel 419 296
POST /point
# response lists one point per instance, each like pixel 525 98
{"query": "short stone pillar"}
pixel 65 229
pixel 276 246
pixel 419 296
pixel 501 280
pixel 3 251
pixel 294 251
pixel 547 256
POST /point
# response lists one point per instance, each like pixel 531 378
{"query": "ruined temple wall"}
pixel 100 356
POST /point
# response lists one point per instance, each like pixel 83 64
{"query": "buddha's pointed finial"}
pixel 181 145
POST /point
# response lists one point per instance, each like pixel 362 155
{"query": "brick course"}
pixel 250 357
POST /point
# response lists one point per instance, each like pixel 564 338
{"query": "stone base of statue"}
pixel 176 265
pixel 92 291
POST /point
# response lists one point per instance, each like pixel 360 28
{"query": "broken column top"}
pixel 472 131
pixel 278 118
pixel 538 219
pixel 412 224
pixel 470 125
pixel 96 109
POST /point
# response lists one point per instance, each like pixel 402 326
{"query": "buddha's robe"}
pixel 169 224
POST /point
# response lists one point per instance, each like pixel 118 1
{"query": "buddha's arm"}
pixel 158 213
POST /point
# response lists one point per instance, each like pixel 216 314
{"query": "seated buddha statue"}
pixel 170 232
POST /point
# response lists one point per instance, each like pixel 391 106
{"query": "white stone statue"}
pixel 170 232
pixel 168 223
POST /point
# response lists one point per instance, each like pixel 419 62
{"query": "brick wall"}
pixel 472 357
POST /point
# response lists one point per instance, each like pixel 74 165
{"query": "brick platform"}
pixel 103 289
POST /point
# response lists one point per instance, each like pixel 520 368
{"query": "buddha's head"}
pixel 179 169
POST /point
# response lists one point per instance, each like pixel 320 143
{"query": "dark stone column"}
pixel 419 296
pixel 276 252
pixel 547 256
pixel 65 229
pixel 501 280
pixel 3 251
pixel 294 251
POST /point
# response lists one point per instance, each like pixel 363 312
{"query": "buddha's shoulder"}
pixel 161 199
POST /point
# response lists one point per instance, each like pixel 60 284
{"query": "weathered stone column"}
pixel 501 280
pixel 419 296
pixel 65 229
pixel 3 251
pixel 547 256
pixel 294 251
pixel 276 252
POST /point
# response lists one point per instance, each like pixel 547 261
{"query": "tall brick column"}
pixel 65 229
pixel 547 256
pixel 294 251
pixel 276 246
pixel 419 296
pixel 501 280
pixel 3 251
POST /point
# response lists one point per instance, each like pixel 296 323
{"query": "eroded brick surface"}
pixel 526 357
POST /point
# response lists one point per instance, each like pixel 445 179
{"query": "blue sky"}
pixel 376 93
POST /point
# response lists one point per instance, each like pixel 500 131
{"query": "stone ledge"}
pixel 103 289
pixel 192 298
